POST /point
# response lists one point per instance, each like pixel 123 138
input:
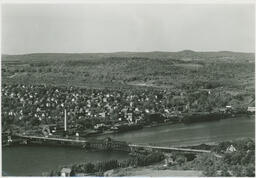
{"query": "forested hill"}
pixel 156 54
pixel 184 70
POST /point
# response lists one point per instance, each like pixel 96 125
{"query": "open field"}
pixel 153 171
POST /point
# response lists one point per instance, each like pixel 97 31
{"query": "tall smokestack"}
pixel 65 120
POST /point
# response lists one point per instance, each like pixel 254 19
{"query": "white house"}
pixel 231 149
pixel 65 172
pixel 251 109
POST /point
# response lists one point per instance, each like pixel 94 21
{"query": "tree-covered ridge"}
pixel 186 69
pixel 239 162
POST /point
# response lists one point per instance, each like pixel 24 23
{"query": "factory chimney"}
pixel 65 120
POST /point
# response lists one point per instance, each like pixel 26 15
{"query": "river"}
pixel 191 134
pixel 33 160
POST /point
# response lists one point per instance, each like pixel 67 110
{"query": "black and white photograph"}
pixel 126 89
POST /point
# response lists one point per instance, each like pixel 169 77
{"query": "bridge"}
pixel 73 140
pixel 111 144
pixel 169 148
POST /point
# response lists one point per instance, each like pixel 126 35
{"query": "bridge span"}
pixel 105 144
pixel 169 148
pixel 75 140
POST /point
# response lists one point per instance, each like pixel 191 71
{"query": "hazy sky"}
pixel 80 28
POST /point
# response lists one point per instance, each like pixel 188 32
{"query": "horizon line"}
pixel 125 52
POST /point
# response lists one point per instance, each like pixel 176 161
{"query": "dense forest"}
pixel 237 163
pixel 180 70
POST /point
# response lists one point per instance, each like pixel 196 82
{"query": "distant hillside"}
pixel 184 70
pixel 155 54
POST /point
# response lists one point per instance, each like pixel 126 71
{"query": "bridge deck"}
pixel 53 138
pixel 170 148
pixel 130 145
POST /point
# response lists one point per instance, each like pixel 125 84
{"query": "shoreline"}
pixel 170 123
pixel 112 136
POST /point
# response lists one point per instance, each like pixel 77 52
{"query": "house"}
pixel 169 161
pixel 228 107
pixel 223 110
pixel 103 114
pixel 231 149
pixel 109 173
pixel 251 109
pixel 65 172
pixel 129 118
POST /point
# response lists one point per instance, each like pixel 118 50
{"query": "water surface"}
pixel 33 160
pixel 190 134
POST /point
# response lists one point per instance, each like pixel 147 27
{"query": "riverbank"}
pixel 33 160
pixel 236 159
pixel 181 135
pixel 170 122
pixel 152 163
pixel 98 168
